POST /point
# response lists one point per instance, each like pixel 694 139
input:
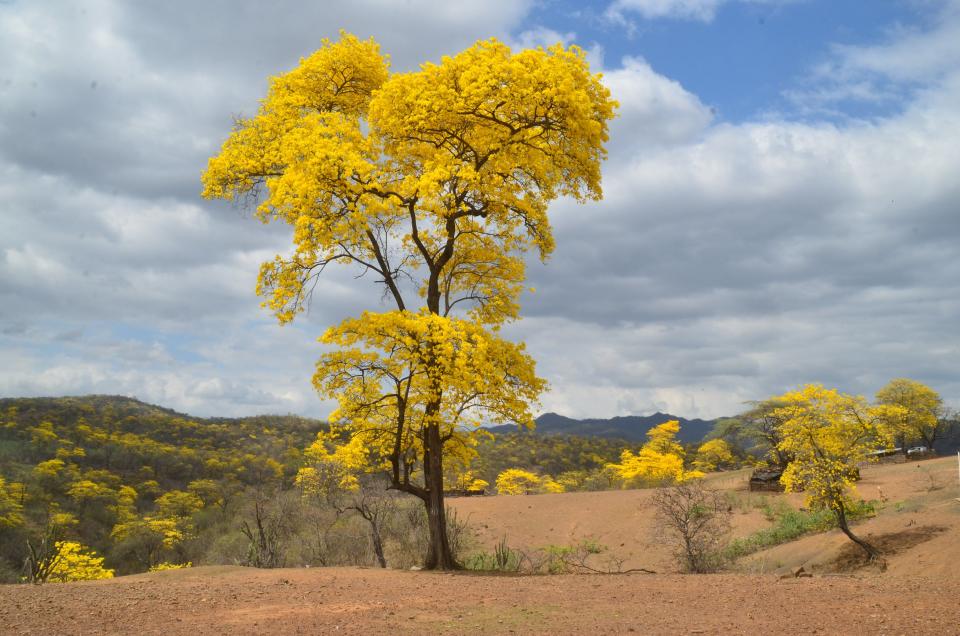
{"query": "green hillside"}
pixel 144 486
pixel 135 482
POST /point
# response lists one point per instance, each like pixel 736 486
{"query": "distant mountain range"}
pixel 631 427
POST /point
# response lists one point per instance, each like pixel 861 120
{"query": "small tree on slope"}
pixel 827 433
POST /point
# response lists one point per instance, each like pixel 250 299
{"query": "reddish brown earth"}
pixel 621 520
pixel 231 600
pixel 917 594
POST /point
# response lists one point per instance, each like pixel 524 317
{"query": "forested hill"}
pixel 632 427
pixel 270 435
pixel 147 487
pixel 136 483
pixel 133 443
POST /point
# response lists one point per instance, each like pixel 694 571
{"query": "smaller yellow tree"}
pixel 917 414
pixel 516 481
pixel 147 538
pixel 43 549
pixel 349 479
pixel 549 484
pixel 714 454
pixel 467 481
pixel 828 434
pixel 660 460
pixel 11 508
pixel 74 562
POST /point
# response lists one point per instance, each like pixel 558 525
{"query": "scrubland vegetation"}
pixel 95 487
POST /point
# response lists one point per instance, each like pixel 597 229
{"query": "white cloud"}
pixel 726 263
pixel 702 10
pixel 541 36
pixel 654 110
pixel 889 72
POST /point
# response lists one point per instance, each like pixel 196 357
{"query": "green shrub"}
pixel 790 524
pixel 503 559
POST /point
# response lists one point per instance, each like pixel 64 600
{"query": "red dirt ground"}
pixel 232 600
pixel 916 595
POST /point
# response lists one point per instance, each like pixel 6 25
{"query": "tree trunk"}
pixel 439 556
pixel 871 551
pixel 377 543
pixel 782 461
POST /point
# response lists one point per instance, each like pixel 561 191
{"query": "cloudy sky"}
pixel 782 200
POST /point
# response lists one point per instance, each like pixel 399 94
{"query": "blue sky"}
pixel 780 200
pixel 744 57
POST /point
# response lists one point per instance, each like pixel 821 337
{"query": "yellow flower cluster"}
pixel 469 151
pixel 75 563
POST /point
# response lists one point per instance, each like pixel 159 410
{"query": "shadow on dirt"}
pixel 851 557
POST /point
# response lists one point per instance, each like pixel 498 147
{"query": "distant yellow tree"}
pixel 468 481
pixel 11 507
pixel 178 504
pixel 827 433
pixel 920 413
pixel 551 485
pixel 659 461
pixel 713 454
pixel 207 491
pixel 148 538
pixel 436 182
pixel 85 491
pixel 330 467
pixel 516 481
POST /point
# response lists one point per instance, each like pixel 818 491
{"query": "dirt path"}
pixel 231 600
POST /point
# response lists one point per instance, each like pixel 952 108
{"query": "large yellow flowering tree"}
pixel 436 182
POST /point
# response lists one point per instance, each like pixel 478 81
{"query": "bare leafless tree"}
pixel 695 521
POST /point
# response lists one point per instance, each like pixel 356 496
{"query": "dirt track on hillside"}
pixel 232 600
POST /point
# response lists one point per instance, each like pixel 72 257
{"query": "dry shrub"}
pixel 695 522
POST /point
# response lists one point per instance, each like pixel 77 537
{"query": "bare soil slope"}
pixel 918 526
pixel 917 594
pixel 622 520
pixel 365 601
pixel 917 500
